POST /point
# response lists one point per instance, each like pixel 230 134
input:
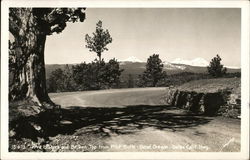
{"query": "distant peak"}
pixel 194 62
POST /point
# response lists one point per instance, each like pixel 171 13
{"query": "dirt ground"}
pixel 137 120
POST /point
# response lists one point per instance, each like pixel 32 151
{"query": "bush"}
pixel 85 76
pixel 55 81
pixel 97 75
pixel 61 80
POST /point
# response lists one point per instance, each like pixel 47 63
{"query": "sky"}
pixel 140 32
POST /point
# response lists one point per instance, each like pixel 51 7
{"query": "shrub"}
pixel 61 80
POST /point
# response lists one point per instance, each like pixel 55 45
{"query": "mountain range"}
pixel 135 66
pixel 194 62
pixel 131 59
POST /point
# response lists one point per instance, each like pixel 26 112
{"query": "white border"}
pixel 244 5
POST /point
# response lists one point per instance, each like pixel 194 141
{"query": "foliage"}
pixel 49 20
pixel 111 74
pixel 101 38
pixel 97 75
pixel 55 82
pixel 183 77
pixel 85 75
pixel 131 82
pixel 215 68
pixel 61 80
pixel 154 72
pixel 46 21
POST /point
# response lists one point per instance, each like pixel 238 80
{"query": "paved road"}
pixel 137 120
pixel 112 97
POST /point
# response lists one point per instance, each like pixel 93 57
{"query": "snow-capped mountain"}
pixel 197 65
pixel 131 59
pixel 194 62
pixel 170 66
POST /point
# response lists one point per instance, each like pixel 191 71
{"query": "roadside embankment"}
pixel 208 97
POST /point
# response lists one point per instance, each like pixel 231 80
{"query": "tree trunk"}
pixel 154 81
pixel 100 56
pixel 29 82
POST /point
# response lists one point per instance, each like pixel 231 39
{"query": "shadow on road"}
pixel 113 121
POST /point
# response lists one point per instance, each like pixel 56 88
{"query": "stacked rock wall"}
pixel 205 103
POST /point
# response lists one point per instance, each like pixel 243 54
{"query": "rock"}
pixel 207 103
pixel 65 122
pixel 12 133
pixel 234 99
pixel 201 109
pixel 119 112
pixel 106 130
pixel 170 97
pixel 212 103
pixel 37 127
pixel 132 125
pixel 194 102
pixel 125 119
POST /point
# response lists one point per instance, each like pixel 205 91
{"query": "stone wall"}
pixel 207 103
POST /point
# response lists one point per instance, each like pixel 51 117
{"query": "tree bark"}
pixel 100 56
pixel 29 82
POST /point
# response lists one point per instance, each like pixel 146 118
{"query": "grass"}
pixel 231 90
pixel 212 85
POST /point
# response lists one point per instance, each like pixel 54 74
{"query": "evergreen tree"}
pixel 130 81
pixel 153 73
pixel 101 38
pixel 215 68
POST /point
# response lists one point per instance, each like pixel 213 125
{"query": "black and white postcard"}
pixel 125 79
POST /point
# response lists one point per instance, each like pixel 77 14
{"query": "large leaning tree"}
pixel 30 27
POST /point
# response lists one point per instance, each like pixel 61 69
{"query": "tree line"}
pixel 85 76
pixel 100 75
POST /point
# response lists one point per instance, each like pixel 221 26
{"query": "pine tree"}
pixel 153 73
pixel 101 38
pixel 215 68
